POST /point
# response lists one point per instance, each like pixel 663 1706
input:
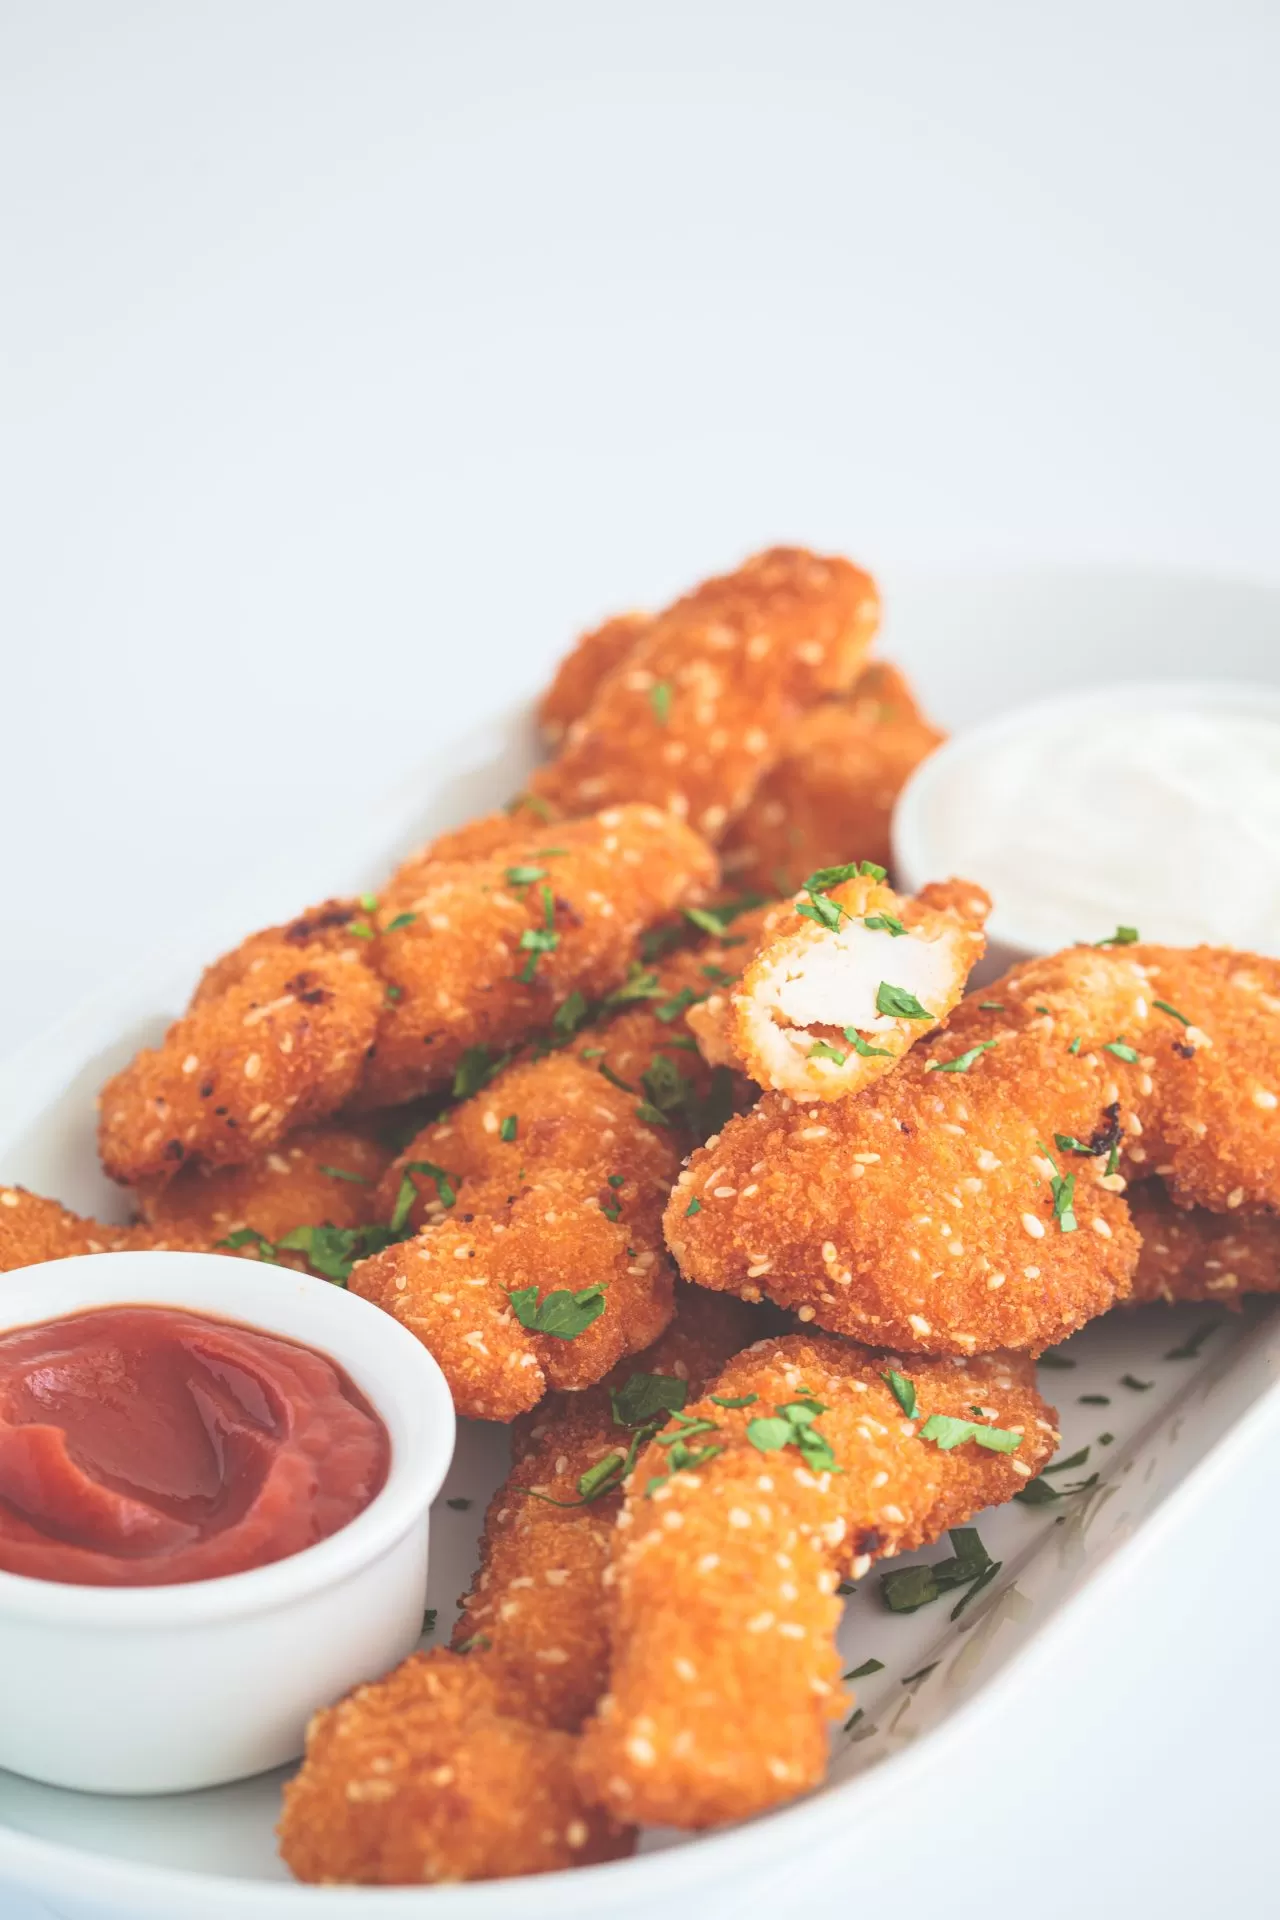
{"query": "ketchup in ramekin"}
pixel 150 1446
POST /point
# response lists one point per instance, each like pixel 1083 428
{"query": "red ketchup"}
pixel 146 1446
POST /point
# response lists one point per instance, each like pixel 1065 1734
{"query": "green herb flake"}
pixel 401 920
pixel 860 1673
pixel 946 1433
pixel 459 1505
pixel 1105 1439
pixel 1076 1459
pixel 429 1619
pixel 646 1396
pixel 903 1391
pixel 1166 1008
pixel 897 1004
pixel 792 1425
pixel 408 1191
pixel 524 876
pixel 340 1173
pixel 394 993
pixel 852 1721
pixel 742 1400
pixel 1093 1400
pixel 570 1014
pixel 706 921
pixel 475 1070
pixel 885 923
pixel 249 1237
pixel 907 1589
pixel 562 1315
pixel 1037 1493
pixel 1122 1050
pixel 863 1048
pixel 1122 937
pixel 660 700
pixel 821 1051
pixel 1138 1386
pixel 1075 1045
pixel 962 1061
pixel 1189 1349
pixel 823 911
pixel 507 1131
pixel 1053 1360
pixel 694 1206
pixel 991 1006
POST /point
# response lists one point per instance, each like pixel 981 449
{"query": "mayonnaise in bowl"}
pixel 1154 806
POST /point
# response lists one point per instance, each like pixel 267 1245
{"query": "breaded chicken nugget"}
pixel 740 1520
pixel 277 1049
pixel 331 927
pixel 33 1229
pixel 321 1176
pixel 593 657
pixel 421 1777
pixel 483 953
pixel 832 792
pixel 972 1198
pixel 1191 1254
pixel 702 702
pixel 846 982
pixel 535 1275
pixel 536 1614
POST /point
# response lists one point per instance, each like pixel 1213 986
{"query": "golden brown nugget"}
pixel 34 1229
pixel 536 1613
pixel 735 1532
pixel 421 1778
pixel 589 662
pixel 1191 1254
pixel 845 983
pixel 703 701
pixel 831 794
pixel 278 1049
pixel 331 926
pixel 483 953
pixel 972 1199
pixel 322 1176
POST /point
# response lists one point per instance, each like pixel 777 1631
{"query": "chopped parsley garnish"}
pixel 1105 1439
pixel 991 1006
pixel 401 920
pixel 1166 1008
pixel 1063 1188
pixel 333 1251
pixel 1052 1359
pixel 681 1458
pixel 823 911
pixel 459 1504
pixel 1037 1493
pixel 885 923
pixel 718 975
pixel 709 920
pixel 821 1051
pixel 946 1433
pixel 535 941
pixel 906 1589
pixel 570 1014
pixel 903 1391
pixel 1138 1386
pixel 429 1619
pixel 860 1673
pixel 912 1679
pixel 369 901
pixel 671 1009
pixel 962 1061
pixel 1075 1045
pixel 340 1173
pixel 660 700
pixel 694 1206
pixel 1076 1459
pixel 645 1395
pixel 614 1079
pixel 667 1089
pixel 524 876
pixel 863 1047
pixel 408 1192
pixel 509 1127
pixel 853 1720
pixel 641 983
pixel 475 1069
pixel 1122 1050
pixel 742 1400
pixel 1189 1349
pixel 822 879
pixel 659 940
pixel 792 1425
pixel 247 1237
pixel 897 1004
pixel 562 1314
pixel 1093 1399
pixel 1122 937
pixel 394 993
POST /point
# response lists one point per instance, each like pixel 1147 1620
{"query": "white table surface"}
pixel 353 356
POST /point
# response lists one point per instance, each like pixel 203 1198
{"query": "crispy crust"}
pixel 34 1229
pixel 591 659
pixel 422 1778
pixel 921 1213
pixel 831 794
pixel 699 707
pixel 1191 1254
pixel 725 1673
pixel 285 1188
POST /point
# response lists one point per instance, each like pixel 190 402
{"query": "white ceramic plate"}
pixel 974 645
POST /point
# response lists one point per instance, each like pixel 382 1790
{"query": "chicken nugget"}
pixel 482 953
pixel 1192 1254
pixel 845 982
pixel 335 926
pixel 321 1176
pixel 740 1520
pixel 592 658
pixel 280 1047
pixel 421 1778
pixel 34 1229
pixel 972 1198
pixel 702 702
pixel 536 1611
pixel 832 792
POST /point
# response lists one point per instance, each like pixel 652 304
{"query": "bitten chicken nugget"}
pixel 421 1777
pixel 1191 1254
pixel 545 1274
pixel 702 702
pixel 740 1520
pixel 589 662
pixel 278 1049
pixel 845 983
pixel 536 1612
pixel 321 1176
pixel 482 954
pixel 33 1229
pixel 971 1199
pixel 832 792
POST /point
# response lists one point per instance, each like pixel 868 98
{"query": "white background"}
pixel 354 356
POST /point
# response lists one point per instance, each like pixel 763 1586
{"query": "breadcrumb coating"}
pixel 421 1778
pixel 275 1046
pixel 34 1229
pixel 724 1673
pixel 326 1175
pixel 932 1212
pixel 480 954
pixel 591 659
pixel 702 702
pixel 811 1015
pixel 536 1613
pixel 830 795
pixel 1191 1254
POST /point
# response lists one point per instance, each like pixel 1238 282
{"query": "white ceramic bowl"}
pixel 162 1689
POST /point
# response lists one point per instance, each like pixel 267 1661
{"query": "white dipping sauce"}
pixel 1156 807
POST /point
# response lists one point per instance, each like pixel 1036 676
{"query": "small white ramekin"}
pixel 164 1689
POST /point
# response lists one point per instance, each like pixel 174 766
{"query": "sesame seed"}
pixel 641 1751
pixel 1236 1197
pixel 1101 1228
pixel 806 1313
pixel 253 1066
pixel 739 1517
pixel 918 1324
pixel 1262 1098
pixel 760 1622
pixel 1033 1226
